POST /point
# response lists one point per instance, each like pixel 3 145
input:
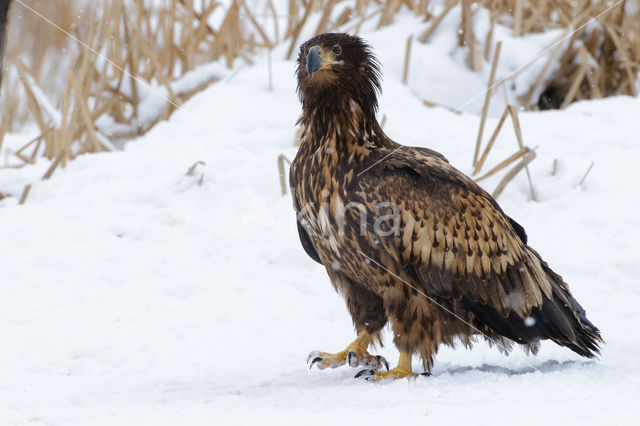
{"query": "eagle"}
pixel 405 237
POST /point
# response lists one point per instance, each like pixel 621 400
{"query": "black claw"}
pixel 316 359
pixel 351 355
pixel 382 360
pixel 425 374
pixel 365 374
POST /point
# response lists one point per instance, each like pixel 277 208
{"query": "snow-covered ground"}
pixel 131 294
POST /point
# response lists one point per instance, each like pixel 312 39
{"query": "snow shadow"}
pixel 545 367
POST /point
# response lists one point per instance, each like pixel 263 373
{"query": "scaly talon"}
pixel 402 370
pixel 378 376
pixel 354 355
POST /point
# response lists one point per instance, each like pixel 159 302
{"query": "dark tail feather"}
pixel 566 320
pixel 560 319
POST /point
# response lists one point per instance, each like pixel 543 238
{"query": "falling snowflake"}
pixel 529 321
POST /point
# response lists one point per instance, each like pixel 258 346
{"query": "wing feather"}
pixel 453 238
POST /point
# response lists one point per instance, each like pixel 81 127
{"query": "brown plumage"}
pixel 406 237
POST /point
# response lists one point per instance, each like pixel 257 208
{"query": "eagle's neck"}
pixel 341 125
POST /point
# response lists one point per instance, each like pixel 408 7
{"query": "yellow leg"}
pixel 403 369
pixel 355 354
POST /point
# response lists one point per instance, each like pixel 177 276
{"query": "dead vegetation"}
pixel 85 72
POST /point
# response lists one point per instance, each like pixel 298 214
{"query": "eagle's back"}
pixel 457 245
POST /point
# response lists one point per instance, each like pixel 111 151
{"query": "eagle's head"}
pixel 337 66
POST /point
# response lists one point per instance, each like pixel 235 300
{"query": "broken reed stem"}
pixel 485 106
pixel 586 173
pixel 487 149
pixel 542 73
pixel 407 59
pixel 575 85
pixel 25 193
pixel 526 159
pixel 425 35
pixel 52 168
pixel 4 126
pixel 191 171
pixel 504 163
pixel 281 172
pixel 517 18
pixel 296 31
pixel 516 127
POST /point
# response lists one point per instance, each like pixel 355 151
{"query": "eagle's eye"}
pixel 337 50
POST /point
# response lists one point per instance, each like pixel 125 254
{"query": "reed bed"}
pixel 74 65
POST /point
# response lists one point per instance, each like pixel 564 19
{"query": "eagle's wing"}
pixel 306 243
pixel 453 238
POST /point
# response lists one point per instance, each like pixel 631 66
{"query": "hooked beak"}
pixel 314 60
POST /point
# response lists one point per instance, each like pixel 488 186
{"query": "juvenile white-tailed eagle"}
pixel 407 238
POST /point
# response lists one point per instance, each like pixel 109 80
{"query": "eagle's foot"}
pixel 377 376
pixel 355 355
pixel 402 370
pixel 350 356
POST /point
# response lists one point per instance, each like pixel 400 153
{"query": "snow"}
pixel 133 293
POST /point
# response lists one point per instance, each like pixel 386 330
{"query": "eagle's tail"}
pixel 564 321
pixel 560 319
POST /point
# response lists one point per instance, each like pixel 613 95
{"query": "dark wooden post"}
pixel 4 17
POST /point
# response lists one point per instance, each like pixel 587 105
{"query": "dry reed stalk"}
pixel 54 165
pixel 524 153
pixel 625 60
pixel 4 126
pixel 435 104
pixel 517 18
pixel 407 59
pixel 475 63
pixel 326 13
pixel 192 170
pixel 513 111
pixel 274 14
pixel 537 20
pixel 343 18
pixel 25 193
pixel 389 9
pixel 189 8
pixel 292 18
pixel 526 99
pixel 270 70
pixel 578 77
pixel 34 107
pixel 281 173
pixel 524 163
pixel 489 39
pixel 586 173
pixel 355 29
pixel 504 163
pixel 296 31
pixel 493 138
pixel 425 35
pixel 257 26
pixel 485 106
pixel 62 138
